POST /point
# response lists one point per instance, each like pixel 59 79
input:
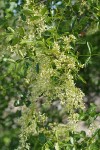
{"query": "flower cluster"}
pixel 50 76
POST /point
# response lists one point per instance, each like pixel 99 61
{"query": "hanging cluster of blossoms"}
pixel 50 75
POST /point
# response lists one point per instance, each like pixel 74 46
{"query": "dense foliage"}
pixel 42 51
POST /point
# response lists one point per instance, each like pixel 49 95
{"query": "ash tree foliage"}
pixel 40 59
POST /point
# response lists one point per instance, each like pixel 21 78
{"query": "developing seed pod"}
pixel 37 67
